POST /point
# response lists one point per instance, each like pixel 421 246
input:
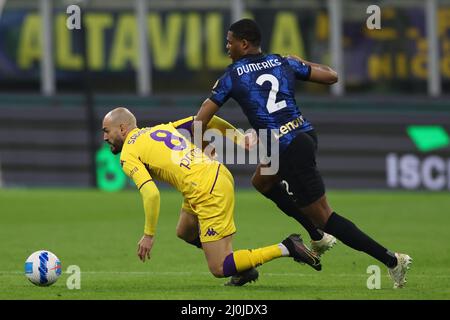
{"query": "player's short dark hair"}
pixel 247 29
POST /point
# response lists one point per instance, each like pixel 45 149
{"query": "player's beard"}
pixel 116 147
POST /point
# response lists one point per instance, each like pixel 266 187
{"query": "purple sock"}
pixel 229 266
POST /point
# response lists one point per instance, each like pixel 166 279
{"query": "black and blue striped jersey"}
pixel 264 86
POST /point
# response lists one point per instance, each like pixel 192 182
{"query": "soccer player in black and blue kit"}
pixel 264 86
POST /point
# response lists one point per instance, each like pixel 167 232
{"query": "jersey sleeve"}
pixel 301 70
pixel 135 169
pixel 223 125
pixel 151 202
pixel 185 123
pixel 221 90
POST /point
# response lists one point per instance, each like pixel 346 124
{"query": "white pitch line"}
pixel 270 274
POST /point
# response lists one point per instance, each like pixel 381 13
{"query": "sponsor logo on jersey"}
pixel 290 126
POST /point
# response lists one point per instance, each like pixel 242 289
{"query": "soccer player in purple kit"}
pixel 206 218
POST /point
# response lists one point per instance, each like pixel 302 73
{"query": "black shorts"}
pixel 298 168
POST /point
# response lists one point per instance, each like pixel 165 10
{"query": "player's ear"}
pixel 245 44
pixel 123 128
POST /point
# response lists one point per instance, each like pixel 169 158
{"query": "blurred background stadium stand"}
pixel 385 124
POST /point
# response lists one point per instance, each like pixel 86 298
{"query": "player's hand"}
pixel 144 247
pixel 250 140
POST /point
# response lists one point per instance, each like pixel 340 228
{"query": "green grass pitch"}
pixel 99 232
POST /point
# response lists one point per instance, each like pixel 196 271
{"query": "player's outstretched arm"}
pixel 223 125
pixel 207 116
pixel 207 110
pixel 151 200
pixel 320 73
pixel 204 115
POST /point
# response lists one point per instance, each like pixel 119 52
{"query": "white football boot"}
pixel 320 246
pixel 398 273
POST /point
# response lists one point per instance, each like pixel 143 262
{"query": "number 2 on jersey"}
pixel 271 105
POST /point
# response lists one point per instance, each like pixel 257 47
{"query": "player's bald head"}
pixel 116 125
pixel 121 116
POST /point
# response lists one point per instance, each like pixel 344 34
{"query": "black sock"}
pixel 196 242
pixel 349 234
pixel 286 203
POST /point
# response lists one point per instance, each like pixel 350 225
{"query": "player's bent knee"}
pixel 217 271
pixel 216 268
